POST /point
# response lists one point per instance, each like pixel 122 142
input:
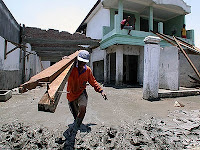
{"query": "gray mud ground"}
pixel 125 121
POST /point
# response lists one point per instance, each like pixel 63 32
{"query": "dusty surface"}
pixel 124 121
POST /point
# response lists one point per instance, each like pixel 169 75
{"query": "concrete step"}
pixel 182 92
pixel 5 95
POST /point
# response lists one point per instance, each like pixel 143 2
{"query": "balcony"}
pixel 114 36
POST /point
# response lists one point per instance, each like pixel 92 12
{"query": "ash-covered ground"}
pixel 182 132
pixel 124 121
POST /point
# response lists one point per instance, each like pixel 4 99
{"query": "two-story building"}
pixel 120 57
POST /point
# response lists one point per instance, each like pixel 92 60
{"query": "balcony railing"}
pixel 114 35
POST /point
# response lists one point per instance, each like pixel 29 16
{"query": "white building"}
pixel 120 57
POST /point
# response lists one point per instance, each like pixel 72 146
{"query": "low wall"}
pixel 10 79
pixel 186 69
pixel 169 68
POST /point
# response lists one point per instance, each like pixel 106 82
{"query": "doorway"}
pixel 112 68
pixel 130 69
pixel 98 70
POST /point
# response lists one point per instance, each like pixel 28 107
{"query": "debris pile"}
pixel 149 133
pixel 181 130
pixel 20 136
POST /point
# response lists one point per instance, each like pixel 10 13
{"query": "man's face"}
pixel 81 64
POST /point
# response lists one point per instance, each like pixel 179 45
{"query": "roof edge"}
pixel 93 8
pixel 179 3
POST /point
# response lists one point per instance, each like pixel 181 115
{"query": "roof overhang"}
pixel 163 9
pixel 52 45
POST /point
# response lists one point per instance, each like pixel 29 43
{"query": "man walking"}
pixel 76 88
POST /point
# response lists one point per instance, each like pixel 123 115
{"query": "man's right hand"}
pixel 104 96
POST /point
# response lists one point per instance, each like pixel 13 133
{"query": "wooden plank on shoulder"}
pixel 49 74
pixel 50 99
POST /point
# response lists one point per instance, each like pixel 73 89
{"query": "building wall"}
pixel 174 24
pixel 11 67
pixel 12 60
pixel 169 68
pixel 186 69
pixel 9 28
pixel 96 55
pixel 95 25
pixel 32 63
pixel 10 73
pixel 45 64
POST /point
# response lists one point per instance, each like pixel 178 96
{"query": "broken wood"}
pixel 182 42
pixel 195 80
pixel 49 74
pixel 5 49
pixel 50 99
pixel 188 59
pixel 164 38
pixel 189 46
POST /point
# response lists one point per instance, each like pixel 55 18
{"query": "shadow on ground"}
pixel 70 135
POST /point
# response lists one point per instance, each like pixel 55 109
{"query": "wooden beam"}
pixel 12 50
pixel 50 99
pixel 49 74
pixel 188 59
pixel 195 80
pixel 68 42
pixel 52 59
pixel 71 49
pixel 17 44
pixel 189 46
pixel 5 49
pixel 164 38
pixel 181 42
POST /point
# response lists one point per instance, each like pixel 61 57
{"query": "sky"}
pixel 67 15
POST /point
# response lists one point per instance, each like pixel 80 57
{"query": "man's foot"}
pixel 129 34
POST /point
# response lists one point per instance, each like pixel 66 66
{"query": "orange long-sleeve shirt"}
pixel 77 83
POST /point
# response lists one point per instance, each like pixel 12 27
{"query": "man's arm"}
pixel 92 81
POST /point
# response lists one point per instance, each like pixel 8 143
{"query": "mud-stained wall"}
pixel 9 28
pixel 10 72
pixel 169 68
pixel 10 79
pixel 186 69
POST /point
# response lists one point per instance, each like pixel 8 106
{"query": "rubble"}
pixel 178 104
pixel 22 136
pixel 180 131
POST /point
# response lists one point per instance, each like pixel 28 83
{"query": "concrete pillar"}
pixel 137 23
pixel 117 24
pixel 120 10
pixel 150 18
pixel 151 67
pixel 119 65
pixel 105 66
pixel 160 27
pixel 119 16
pixel 108 80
